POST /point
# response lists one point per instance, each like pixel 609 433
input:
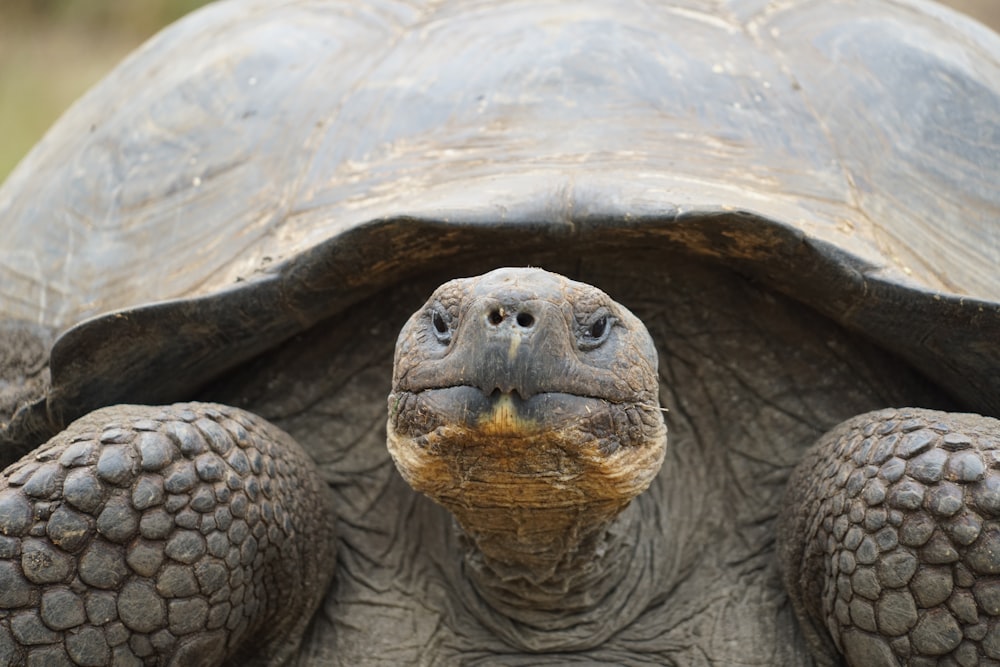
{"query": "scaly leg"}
pixel 182 535
pixel 890 540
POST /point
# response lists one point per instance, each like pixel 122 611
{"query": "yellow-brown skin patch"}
pixel 503 420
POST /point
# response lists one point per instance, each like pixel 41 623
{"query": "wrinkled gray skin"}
pixel 798 198
pixel 24 358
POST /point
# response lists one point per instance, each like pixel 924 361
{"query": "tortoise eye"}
pixel 441 323
pixel 594 329
pixel 597 328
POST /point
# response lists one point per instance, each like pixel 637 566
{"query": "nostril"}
pixel 495 317
pixel 525 320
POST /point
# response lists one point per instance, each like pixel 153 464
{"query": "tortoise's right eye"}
pixel 441 324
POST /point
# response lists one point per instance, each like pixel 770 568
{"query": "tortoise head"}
pixel 526 404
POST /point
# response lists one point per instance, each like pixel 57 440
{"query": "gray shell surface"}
pixel 263 164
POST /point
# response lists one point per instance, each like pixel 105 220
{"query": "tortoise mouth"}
pixel 583 422
pixel 466 448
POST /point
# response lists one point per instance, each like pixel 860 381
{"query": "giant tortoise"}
pixel 797 199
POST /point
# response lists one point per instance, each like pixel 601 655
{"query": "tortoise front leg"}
pixel 184 535
pixel 890 540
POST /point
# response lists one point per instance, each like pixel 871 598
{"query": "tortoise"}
pixel 209 258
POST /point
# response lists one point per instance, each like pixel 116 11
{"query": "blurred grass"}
pixel 51 51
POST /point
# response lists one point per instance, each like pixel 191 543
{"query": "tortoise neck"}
pixel 536 562
pixel 598 589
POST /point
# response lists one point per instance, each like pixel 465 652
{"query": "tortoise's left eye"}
pixel 598 328
pixel 594 329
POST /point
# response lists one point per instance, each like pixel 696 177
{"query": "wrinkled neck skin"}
pixel 588 593
pixel 550 529
pixel 528 560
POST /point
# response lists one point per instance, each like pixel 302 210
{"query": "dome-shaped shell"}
pixel 262 163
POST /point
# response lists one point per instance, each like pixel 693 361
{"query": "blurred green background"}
pixel 51 51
